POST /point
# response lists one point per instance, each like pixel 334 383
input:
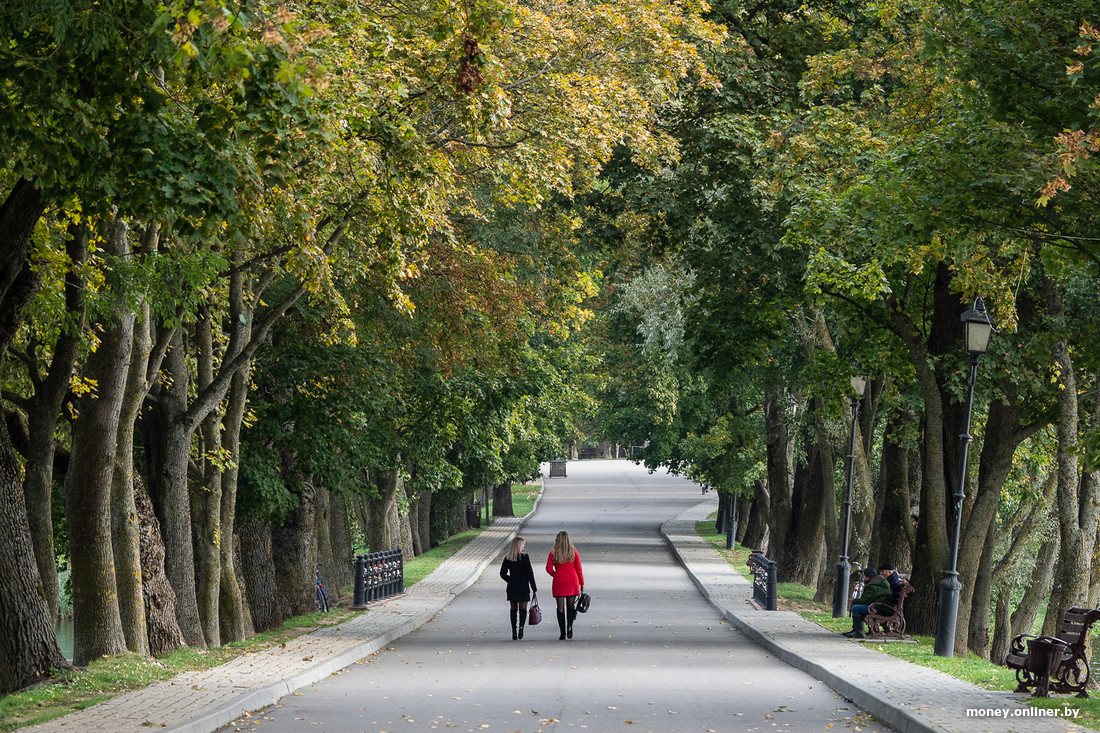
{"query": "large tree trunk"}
pixel 893 536
pixel 343 572
pixel 930 550
pixel 125 521
pixel 235 623
pixel 801 556
pixel 206 499
pixel 159 599
pixel 779 471
pixel 258 568
pixel 754 527
pixel 1074 559
pixel 168 449
pixel 97 629
pixel 28 647
pixel 294 549
pixel 502 500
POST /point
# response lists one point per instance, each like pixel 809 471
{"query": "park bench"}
pixel 1072 674
pixel 888 619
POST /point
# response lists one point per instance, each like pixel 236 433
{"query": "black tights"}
pixel 520 606
pixel 566 601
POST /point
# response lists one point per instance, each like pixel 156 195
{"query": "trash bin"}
pixel 1044 656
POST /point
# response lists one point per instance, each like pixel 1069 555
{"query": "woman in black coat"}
pixel 516 571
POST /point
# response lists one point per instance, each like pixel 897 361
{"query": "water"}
pixel 64 630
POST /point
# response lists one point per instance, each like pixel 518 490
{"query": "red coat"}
pixel 568 578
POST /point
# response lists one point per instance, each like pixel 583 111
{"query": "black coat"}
pixel 520 576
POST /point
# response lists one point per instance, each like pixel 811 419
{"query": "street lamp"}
pixel 977 328
pixel 843 568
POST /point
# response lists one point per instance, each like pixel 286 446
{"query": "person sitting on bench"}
pixel 876 589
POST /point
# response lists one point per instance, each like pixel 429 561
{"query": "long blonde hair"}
pixel 564 551
pixel 515 549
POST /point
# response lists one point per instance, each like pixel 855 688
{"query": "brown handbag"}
pixel 534 613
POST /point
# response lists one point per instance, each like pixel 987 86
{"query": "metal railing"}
pixel 378 575
pixel 763 581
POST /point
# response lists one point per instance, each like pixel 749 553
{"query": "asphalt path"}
pixel 650 655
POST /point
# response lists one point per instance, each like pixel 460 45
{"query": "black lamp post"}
pixel 843 568
pixel 977 328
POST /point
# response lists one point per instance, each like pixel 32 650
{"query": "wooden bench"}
pixel 1072 674
pixel 886 619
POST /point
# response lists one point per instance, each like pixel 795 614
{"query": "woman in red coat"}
pixel 564 563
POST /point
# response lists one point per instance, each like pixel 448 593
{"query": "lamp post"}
pixel 977 328
pixel 843 568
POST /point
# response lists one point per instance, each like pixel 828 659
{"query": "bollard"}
pixel 358 596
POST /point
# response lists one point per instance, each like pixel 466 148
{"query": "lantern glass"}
pixel 859 384
pixel 977 336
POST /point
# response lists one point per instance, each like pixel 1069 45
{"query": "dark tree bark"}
pixel 502 500
pixel 168 448
pixel 164 633
pixel 258 568
pixel 125 521
pixel 752 520
pixel 780 474
pixel 97 627
pixel 294 548
pixel 424 519
pixel 378 531
pixel 801 557
pixel 343 572
pixel 206 498
pixel 893 537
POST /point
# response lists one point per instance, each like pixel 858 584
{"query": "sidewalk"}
pixel 905 696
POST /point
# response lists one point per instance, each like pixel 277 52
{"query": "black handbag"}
pixel 583 603
pixel 534 613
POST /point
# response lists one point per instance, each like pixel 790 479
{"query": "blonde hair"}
pixel 563 549
pixel 515 549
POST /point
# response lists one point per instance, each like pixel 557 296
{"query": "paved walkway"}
pixel 907 697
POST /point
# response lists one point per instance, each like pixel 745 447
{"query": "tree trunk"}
pixel 206 498
pixel 424 519
pixel 502 500
pixel 780 475
pixel 1073 568
pixel 168 449
pixel 752 524
pixel 1002 626
pixel 930 549
pixel 379 535
pixel 294 549
pixel 97 629
pixel 323 531
pixel 1004 433
pixel 800 558
pixel 258 568
pixel 340 539
pixel 28 647
pixel 233 611
pixel 1037 590
pixel 893 536
pixel 159 599
pixel 125 521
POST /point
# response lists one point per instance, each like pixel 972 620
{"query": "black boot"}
pixel 572 616
pixel 522 621
pixel 858 629
pixel 561 625
pixel 514 613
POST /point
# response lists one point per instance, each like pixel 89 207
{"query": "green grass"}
pixel 970 668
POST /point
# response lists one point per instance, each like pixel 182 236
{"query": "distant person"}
pixel 876 589
pixel 516 570
pixel 564 563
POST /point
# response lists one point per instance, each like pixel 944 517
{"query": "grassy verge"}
pixel 971 668
pixel 103 679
